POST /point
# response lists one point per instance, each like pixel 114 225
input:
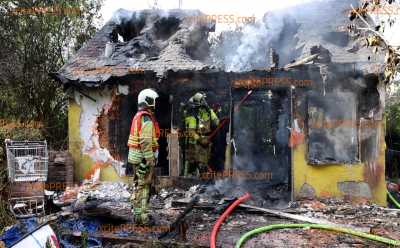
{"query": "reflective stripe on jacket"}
pixel 200 126
pixel 143 138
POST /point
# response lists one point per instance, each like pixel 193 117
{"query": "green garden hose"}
pixel 392 199
pixel 256 231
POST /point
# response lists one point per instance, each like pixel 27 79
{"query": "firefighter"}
pixel 199 120
pixel 143 152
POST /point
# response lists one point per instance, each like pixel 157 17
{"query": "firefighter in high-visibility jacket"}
pixel 143 152
pixel 199 120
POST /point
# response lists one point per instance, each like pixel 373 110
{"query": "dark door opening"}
pixel 163 115
pixel 261 135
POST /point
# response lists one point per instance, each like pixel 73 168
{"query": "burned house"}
pixel 312 120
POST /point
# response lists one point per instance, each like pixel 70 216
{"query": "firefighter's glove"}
pixel 150 163
pixel 204 141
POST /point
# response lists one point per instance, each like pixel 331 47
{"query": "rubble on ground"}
pixel 90 214
pixel 105 191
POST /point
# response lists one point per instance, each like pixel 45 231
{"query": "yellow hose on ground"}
pixel 256 231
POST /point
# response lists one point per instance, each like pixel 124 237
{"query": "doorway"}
pixel 260 143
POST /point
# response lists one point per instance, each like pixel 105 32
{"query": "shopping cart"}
pixel 27 163
pixel 26 207
pixel 27 160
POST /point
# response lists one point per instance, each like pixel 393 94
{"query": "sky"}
pixel 209 7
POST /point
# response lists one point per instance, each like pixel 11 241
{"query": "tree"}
pixel 373 21
pixel 36 38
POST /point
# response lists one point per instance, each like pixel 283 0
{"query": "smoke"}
pixel 254 44
pixel 121 15
pixel 246 49
pixel 261 154
pixel 291 32
pixel 261 135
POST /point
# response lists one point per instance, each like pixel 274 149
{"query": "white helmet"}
pixel 198 99
pixel 148 97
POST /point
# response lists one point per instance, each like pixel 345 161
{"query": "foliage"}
pixel 36 38
pixel 6 218
pixel 371 34
pixel 393 126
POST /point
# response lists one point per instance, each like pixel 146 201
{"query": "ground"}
pixel 195 228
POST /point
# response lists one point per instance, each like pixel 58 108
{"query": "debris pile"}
pixel 363 215
pixel 104 191
pixel 101 199
pixel 101 214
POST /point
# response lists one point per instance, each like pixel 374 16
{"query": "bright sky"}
pixel 234 7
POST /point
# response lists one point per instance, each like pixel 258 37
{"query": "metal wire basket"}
pixel 27 161
pixel 25 207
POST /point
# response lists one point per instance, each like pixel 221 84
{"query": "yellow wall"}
pixel 325 178
pixel 83 163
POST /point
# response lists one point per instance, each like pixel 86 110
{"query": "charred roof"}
pixel 141 41
pixel 155 42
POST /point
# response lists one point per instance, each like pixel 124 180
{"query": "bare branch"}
pixel 386 43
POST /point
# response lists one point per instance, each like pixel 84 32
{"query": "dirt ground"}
pixel 379 221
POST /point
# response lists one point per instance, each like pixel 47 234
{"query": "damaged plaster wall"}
pixel 361 179
pixel 357 189
pixel 90 146
pixel 325 180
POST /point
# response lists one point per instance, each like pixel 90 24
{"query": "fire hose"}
pixel 226 119
pixel 222 218
pixel 259 230
pixel 263 229
pixel 396 203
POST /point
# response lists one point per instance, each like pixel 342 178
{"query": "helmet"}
pixel 198 99
pixel 148 97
